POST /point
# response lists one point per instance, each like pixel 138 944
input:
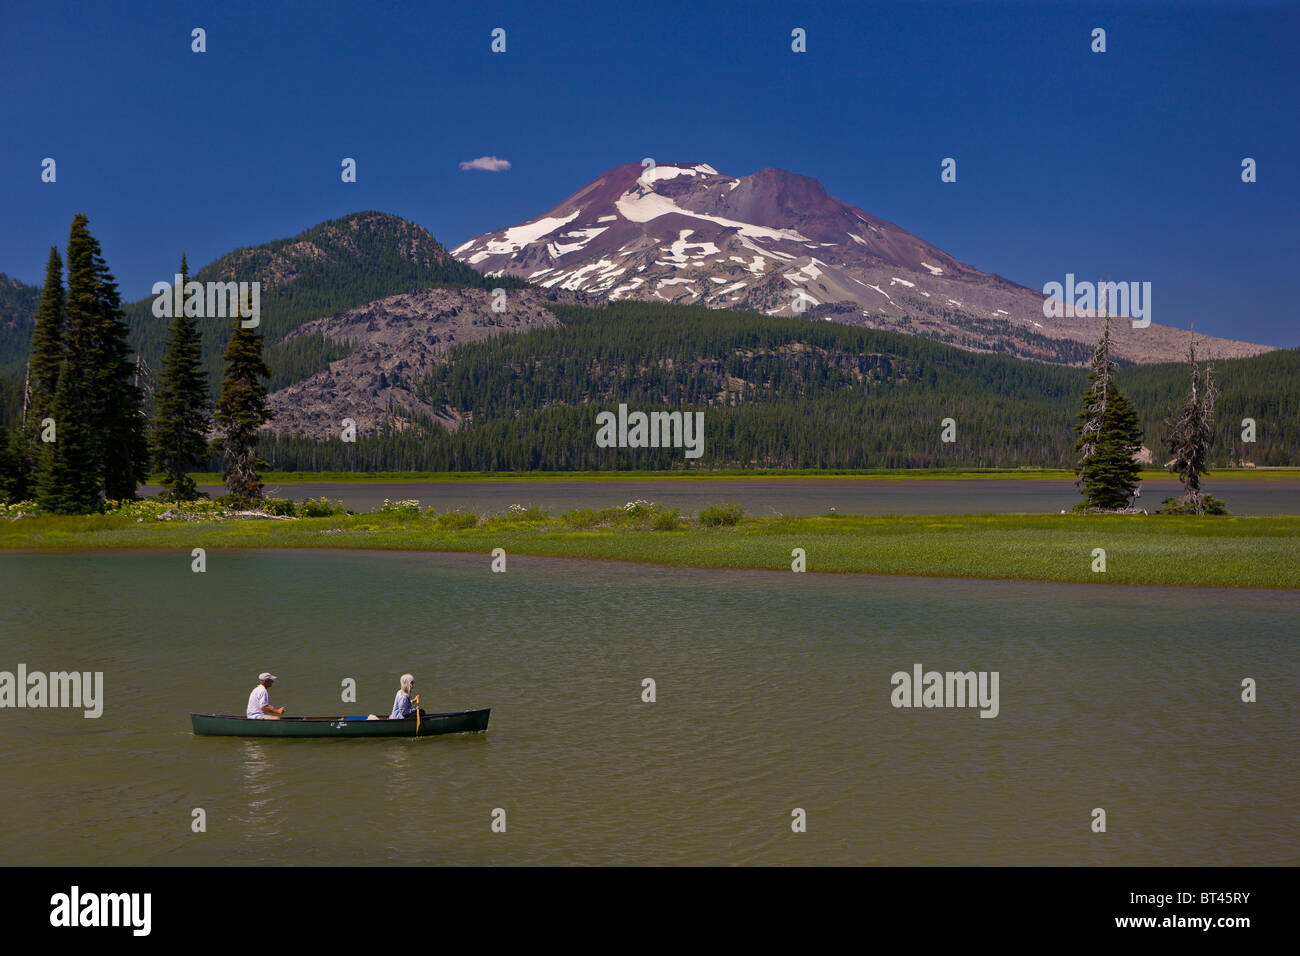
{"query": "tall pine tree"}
pixel 178 439
pixel 123 428
pixel 1114 469
pixel 96 405
pixel 1110 436
pixel 69 482
pixel 70 474
pixel 26 452
pixel 14 473
pixel 47 341
pixel 240 413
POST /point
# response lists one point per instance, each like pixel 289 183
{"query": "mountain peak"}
pixel 777 242
pixel 684 232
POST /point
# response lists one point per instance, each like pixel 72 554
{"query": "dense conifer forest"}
pixel 778 393
pixel 332 267
pixel 781 393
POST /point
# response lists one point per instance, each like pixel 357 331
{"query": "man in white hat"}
pixel 259 701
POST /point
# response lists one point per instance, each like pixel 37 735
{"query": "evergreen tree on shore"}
pixel 178 438
pixel 1110 435
pixel 15 474
pixel 23 451
pixel 240 413
pixel 69 478
pixel 99 449
pixel 122 425
pixel 47 341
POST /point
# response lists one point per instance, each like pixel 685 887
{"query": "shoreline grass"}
pixel 958 474
pixel 1229 552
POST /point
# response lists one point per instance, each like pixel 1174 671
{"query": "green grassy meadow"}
pixel 1147 550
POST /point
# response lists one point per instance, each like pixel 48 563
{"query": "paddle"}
pixel 416 701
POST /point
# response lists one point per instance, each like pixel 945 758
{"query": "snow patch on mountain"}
pixel 643 206
pixel 516 237
pixel 557 249
pixel 677 251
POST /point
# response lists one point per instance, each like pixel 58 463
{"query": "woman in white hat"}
pixel 402 705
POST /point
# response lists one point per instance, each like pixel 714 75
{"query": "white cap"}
pixel 266 676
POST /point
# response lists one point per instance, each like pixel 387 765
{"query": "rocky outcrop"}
pixel 395 342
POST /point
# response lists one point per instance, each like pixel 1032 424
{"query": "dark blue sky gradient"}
pixel 1125 164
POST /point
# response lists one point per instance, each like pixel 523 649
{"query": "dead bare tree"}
pixel 27 391
pixel 1099 387
pixel 1191 434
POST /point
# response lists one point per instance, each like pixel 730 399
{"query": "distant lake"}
pixel 773 693
pixel 793 496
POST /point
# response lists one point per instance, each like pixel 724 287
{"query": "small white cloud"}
pixel 489 164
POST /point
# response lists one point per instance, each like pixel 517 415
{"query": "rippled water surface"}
pixel 773 693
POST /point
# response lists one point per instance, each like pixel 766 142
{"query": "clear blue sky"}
pixel 1124 164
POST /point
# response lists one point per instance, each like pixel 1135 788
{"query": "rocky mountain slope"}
pixel 777 243
pixel 337 265
pixel 394 343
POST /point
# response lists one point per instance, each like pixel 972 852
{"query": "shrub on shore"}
pixel 1179 506
pixel 716 516
pixel 580 518
pixel 667 520
pixel 456 520
pixel 158 509
pixel 639 508
pixel 529 513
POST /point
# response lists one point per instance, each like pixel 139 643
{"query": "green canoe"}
pixel 460 722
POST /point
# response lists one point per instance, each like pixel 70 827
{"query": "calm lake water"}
pixel 773 496
pixel 773 692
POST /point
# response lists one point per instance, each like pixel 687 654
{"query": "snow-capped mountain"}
pixel 778 243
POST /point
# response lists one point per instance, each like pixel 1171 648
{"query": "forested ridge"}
pixel 332 267
pixel 1265 388
pixel 783 393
